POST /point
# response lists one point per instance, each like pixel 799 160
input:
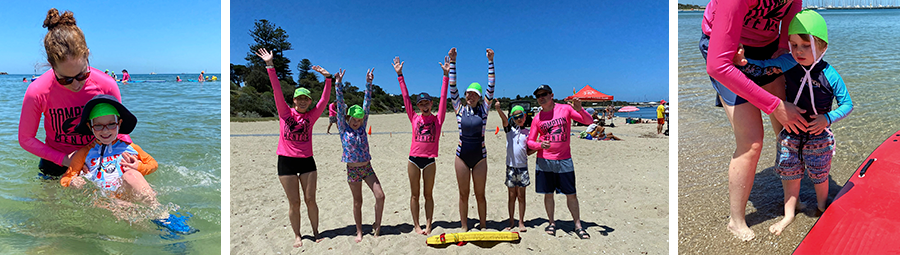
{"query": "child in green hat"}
pixel 352 127
pixel 812 84
pixel 517 152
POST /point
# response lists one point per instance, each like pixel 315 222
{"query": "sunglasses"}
pixel 80 77
pixel 542 95
pixel 518 116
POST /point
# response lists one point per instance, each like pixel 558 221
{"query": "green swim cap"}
pixel 475 87
pixel 517 108
pixel 809 22
pixel 103 109
pixel 356 111
pixel 301 92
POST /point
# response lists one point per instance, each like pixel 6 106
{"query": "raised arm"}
pixel 454 92
pixel 398 66
pixel 578 113
pixel 503 117
pixel 326 93
pixel 339 99
pixel 442 107
pixel 284 110
pixel 489 93
pixel 367 99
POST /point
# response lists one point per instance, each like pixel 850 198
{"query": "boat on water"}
pixel 152 73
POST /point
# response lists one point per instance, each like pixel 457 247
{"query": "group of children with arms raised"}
pixel 555 170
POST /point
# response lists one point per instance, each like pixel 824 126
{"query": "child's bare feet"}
pixel 376 229
pixel 419 230
pixel 317 237
pixel 744 233
pixel 779 226
pixel 427 230
pixel 298 241
pixel 522 227
pixel 358 236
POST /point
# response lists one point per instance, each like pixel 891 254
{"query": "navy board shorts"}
pixel 554 176
pixel 760 77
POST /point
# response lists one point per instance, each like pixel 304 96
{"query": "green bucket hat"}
pixel 301 92
pixel 475 87
pixel 809 22
pixel 356 111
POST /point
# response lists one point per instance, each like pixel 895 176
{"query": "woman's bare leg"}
pixel 308 185
pixel 748 136
pixel 291 185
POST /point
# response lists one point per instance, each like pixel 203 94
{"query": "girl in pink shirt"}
pixel 59 96
pixel 755 24
pixel 295 155
pixel 426 132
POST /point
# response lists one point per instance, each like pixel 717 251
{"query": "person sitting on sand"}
pixel 423 149
pixel 806 76
pixel 296 164
pixel 355 143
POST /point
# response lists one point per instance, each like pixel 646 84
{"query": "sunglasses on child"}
pixel 80 77
pixel 518 116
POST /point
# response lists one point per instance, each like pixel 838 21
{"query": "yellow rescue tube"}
pixel 446 238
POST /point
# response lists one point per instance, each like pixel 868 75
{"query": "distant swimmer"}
pixel 24 79
pixel 214 78
pixel 177 78
pixel 201 79
pixel 125 76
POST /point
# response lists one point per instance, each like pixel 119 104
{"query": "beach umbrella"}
pixel 628 109
pixel 588 94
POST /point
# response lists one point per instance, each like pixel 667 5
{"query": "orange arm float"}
pixel 148 164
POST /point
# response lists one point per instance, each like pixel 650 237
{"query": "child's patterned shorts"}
pixel 813 153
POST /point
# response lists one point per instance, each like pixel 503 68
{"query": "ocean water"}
pixel 863 50
pixel 179 125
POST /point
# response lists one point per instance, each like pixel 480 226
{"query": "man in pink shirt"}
pixel 555 171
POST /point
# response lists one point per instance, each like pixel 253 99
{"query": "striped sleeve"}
pixel 454 92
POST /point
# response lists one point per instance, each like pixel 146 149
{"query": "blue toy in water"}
pixel 176 224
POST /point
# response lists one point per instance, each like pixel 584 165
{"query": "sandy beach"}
pixel 622 188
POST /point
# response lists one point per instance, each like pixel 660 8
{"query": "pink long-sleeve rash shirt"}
pixel 749 22
pixel 61 109
pixel 296 128
pixel 555 126
pixel 426 129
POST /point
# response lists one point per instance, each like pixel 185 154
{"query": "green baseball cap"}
pixel 356 111
pixel 301 92
pixel 809 22
pixel 475 87
pixel 103 109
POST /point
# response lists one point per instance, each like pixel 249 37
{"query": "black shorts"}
pixel 421 162
pixel 51 169
pixel 295 166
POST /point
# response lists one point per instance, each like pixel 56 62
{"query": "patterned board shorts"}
pixel 810 152
pixel 517 177
pixel 359 173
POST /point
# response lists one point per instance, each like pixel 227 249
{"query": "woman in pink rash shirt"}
pixel 754 24
pixel 59 95
pixel 295 154
pixel 554 170
pixel 426 132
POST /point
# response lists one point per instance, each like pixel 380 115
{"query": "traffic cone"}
pixel 370 130
pixel 498 130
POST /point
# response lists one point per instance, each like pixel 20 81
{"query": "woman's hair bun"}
pixel 54 19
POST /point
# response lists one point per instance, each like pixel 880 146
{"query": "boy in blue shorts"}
pixel 813 84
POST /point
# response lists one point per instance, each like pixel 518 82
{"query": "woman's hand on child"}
pixel 446 65
pixel 265 55
pixel 370 75
pixel 818 124
pixel 321 71
pixel 739 59
pixel 339 76
pixel 790 116
pixel 490 54
pixel 398 66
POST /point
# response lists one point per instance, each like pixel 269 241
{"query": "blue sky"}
pixel 619 48
pixel 141 36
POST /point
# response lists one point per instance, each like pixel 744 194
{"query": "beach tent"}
pixel 588 94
